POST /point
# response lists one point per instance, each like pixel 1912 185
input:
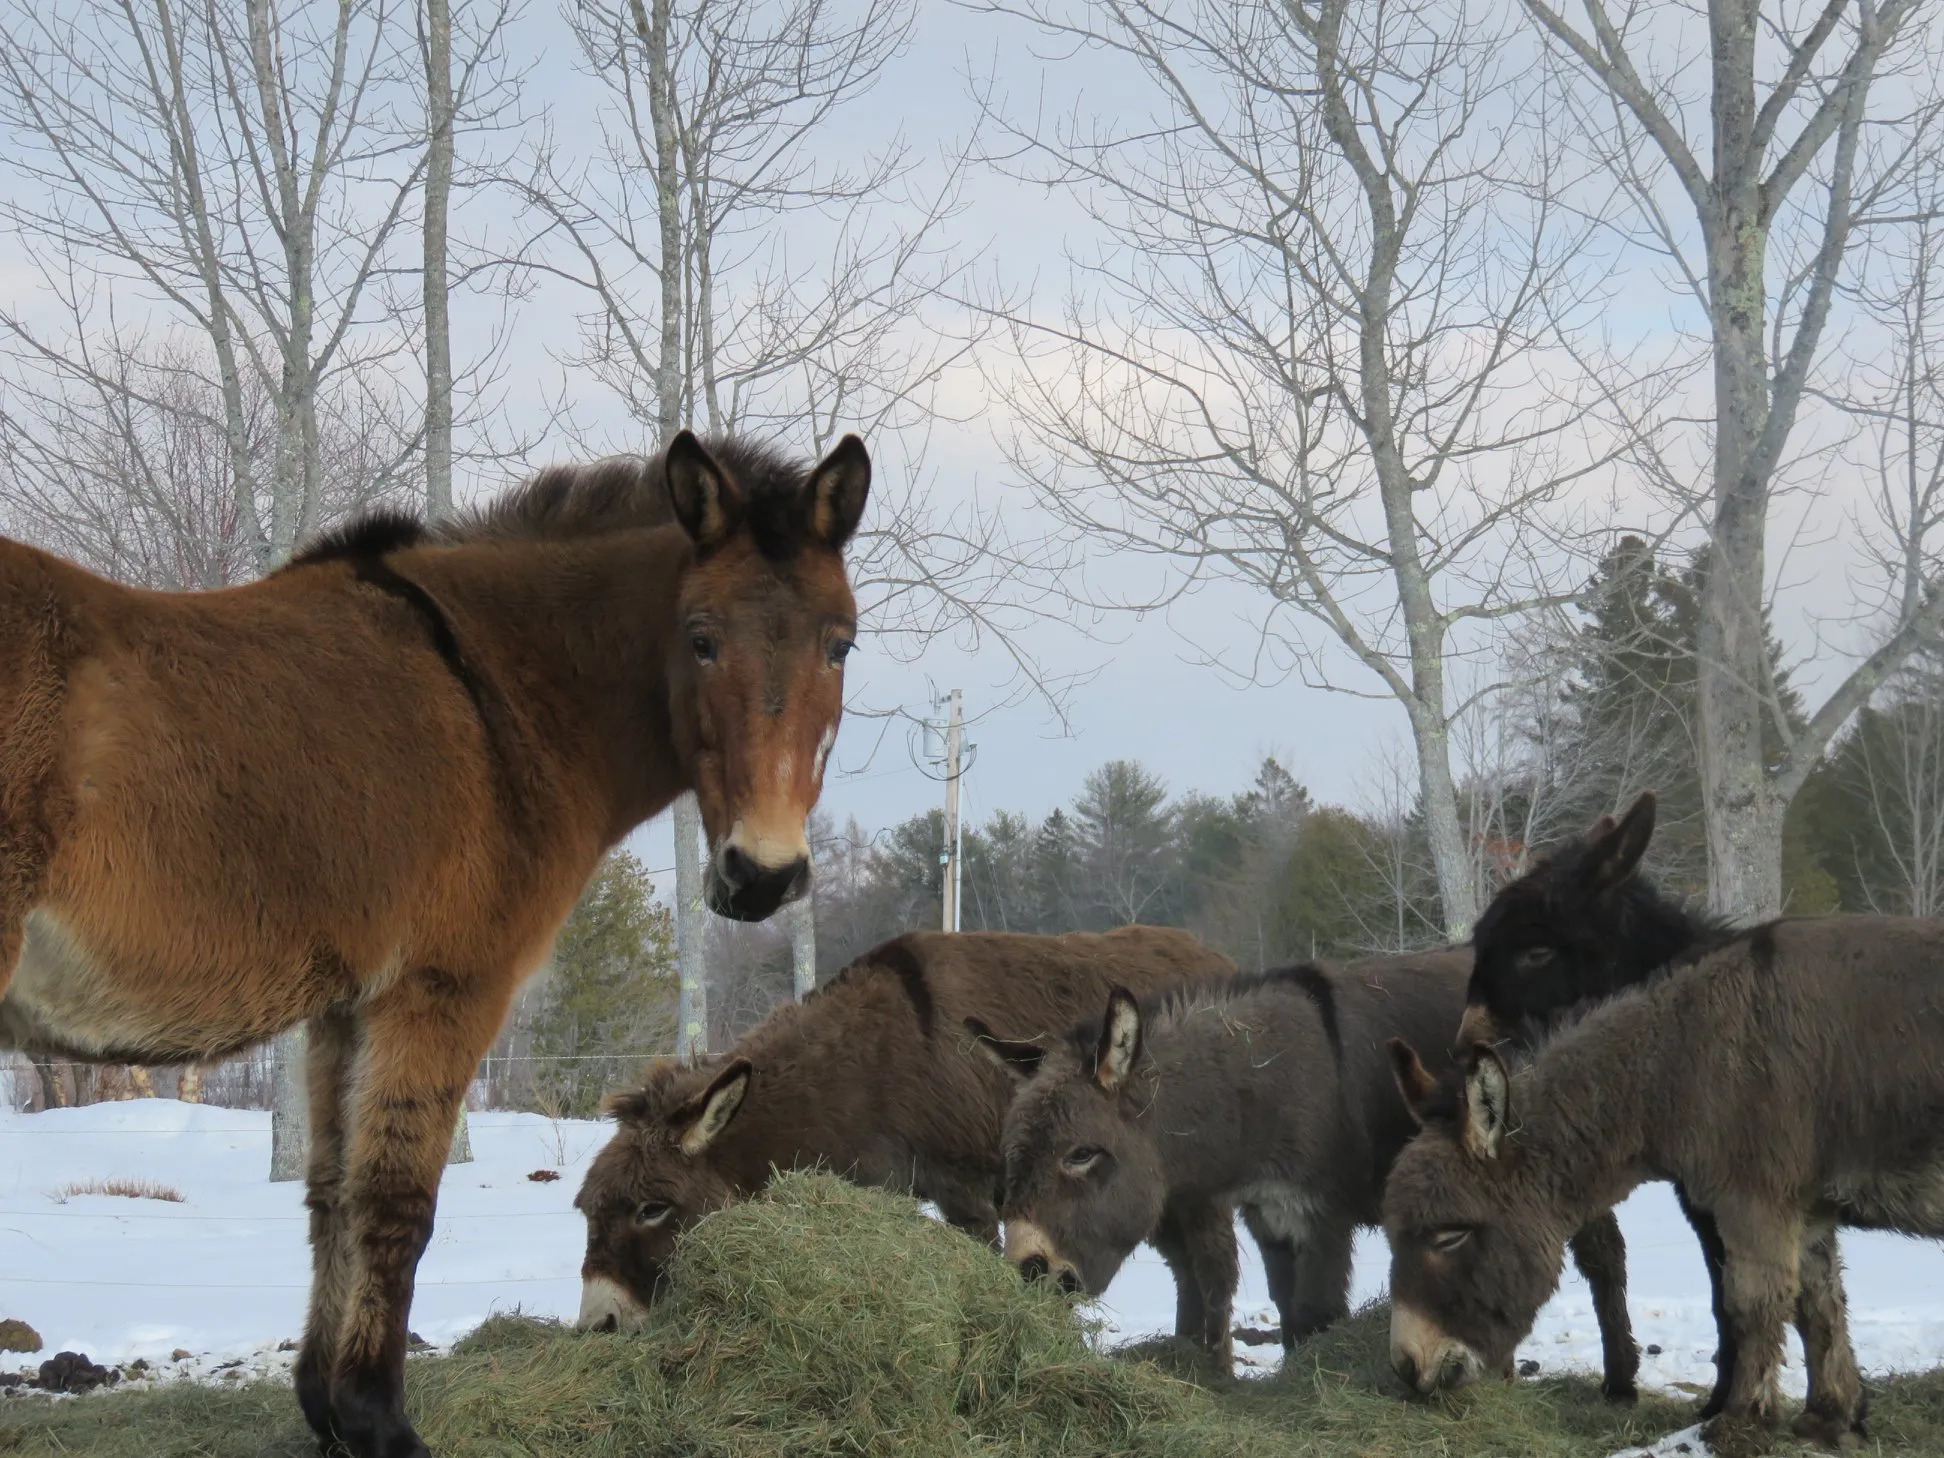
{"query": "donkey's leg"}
pixel 1278 1265
pixel 1709 1235
pixel 1322 1285
pixel 1761 1250
pixel 1190 1310
pixel 333 1040
pixel 1834 1414
pixel 422 1043
pixel 1600 1252
pixel 1208 1237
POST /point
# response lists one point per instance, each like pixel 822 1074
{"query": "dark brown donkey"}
pixel 1577 928
pixel 366 790
pixel 871 1077
pixel 1273 1093
pixel 1792 1080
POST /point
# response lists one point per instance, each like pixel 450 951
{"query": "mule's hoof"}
pixel 1828 1430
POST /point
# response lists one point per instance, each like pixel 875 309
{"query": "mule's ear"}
pixel 702 1118
pixel 838 487
pixel 1616 852
pixel 1488 1103
pixel 1413 1080
pixel 705 500
pixel 1120 1040
pixel 1021 1060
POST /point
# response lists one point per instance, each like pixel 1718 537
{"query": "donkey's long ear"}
pixel 1413 1080
pixel 1488 1103
pixel 706 501
pixel 838 487
pixel 702 1118
pixel 1614 854
pixel 1120 1040
pixel 1021 1060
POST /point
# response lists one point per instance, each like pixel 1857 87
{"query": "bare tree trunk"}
pixel 803 945
pixel 189 1087
pixel 289 1107
pixel 438 196
pixel 691 939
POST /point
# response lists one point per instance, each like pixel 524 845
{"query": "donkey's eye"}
pixel 704 647
pixel 1531 959
pixel 651 1213
pixel 1450 1238
pixel 840 649
pixel 1083 1157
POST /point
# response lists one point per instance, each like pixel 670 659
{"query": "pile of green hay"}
pixel 829 1320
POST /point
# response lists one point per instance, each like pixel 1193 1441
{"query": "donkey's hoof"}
pixel 1828 1430
pixel 1621 1390
pixel 1739 1435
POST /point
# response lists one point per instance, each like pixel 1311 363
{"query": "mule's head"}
pixel 657 1176
pixel 764 621
pixel 1083 1184
pixel 1476 1247
pixel 1581 924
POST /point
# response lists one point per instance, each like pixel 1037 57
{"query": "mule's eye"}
pixel 1082 1157
pixel 840 649
pixel 703 646
pixel 651 1213
pixel 1450 1238
pixel 1531 959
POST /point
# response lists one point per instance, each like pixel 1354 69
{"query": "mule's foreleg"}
pixel 1600 1252
pixel 331 1048
pixel 1761 1248
pixel 422 1043
pixel 1835 1411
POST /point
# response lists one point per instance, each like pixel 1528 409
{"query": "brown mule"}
pixel 365 792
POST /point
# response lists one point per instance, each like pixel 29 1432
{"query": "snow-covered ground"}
pixel 222 1275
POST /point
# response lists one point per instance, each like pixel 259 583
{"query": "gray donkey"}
pixel 1791 1080
pixel 1272 1092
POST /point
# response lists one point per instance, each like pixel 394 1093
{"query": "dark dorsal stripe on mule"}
pixel 364 544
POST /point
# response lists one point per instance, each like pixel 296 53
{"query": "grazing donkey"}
pixel 1792 1080
pixel 1272 1093
pixel 366 790
pixel 1577 928
pixel 869 1076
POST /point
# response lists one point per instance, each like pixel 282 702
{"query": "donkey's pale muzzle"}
pixel 1425 1357
pixel 607 1305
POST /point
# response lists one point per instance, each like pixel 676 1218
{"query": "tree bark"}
pixel 691 959
pixel 438 196
pixel 289 1107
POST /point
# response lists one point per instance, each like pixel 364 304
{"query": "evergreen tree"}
pixel 609 995
pixel 1126 836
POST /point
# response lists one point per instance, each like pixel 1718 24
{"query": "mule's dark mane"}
pixel 627 493
pixel 370 534
pixel 590 499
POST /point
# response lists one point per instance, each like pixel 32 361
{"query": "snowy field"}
pixel 221 1275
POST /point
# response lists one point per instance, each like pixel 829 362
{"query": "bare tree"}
pixel 1754 176
pixel 1317 355
pixel 688 234
pixel 1898 763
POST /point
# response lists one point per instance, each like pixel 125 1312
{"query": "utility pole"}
pixel 949 853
